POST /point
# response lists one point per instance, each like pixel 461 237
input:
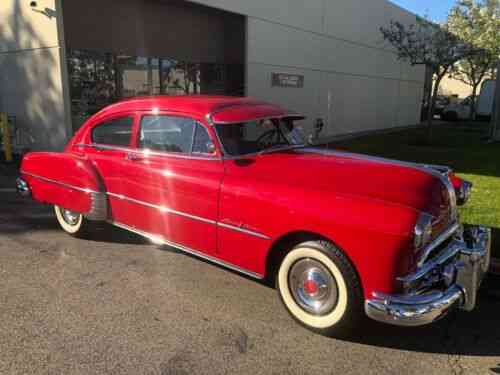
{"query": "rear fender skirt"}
pixel 66 180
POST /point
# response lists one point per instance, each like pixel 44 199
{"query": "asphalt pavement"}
pixel 120 305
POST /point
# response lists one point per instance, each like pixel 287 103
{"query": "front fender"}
pixel 67 180
pixel 375 235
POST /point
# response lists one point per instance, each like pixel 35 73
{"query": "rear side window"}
pixel 116 132
pixel 167 134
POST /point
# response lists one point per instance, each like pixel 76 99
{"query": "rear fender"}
pixel 66 180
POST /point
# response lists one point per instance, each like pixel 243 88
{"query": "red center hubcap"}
pixel 310 287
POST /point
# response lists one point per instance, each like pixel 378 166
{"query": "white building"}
pixel 62 60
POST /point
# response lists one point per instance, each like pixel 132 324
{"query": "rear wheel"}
pixel 72 222
pixel 320 288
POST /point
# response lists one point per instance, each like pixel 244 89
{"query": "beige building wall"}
pixel 31 84
pixel 351 77
pixel 451 87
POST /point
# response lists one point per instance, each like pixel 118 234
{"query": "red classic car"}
pixel 231 180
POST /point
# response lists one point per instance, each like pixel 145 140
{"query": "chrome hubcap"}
pixel 70 217
pixel 313 286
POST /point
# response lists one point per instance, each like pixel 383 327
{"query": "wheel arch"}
pixel 284 244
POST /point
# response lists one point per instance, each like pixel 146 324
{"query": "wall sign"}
pixel 287 80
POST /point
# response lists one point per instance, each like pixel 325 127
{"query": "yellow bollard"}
pixel 7 145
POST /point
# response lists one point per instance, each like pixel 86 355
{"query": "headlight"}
pixel 423 231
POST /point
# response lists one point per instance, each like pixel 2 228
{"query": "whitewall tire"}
pixel 320 288
pixel 72 222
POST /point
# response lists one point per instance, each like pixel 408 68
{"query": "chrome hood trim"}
pixel 440 172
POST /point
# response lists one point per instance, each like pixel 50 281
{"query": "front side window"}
pixel 116 132
pixel 259 136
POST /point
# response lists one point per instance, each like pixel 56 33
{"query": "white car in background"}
pixel 484 105
pixel 457 110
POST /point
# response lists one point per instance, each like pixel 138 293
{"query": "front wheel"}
pixel 320 288
pixel 72 222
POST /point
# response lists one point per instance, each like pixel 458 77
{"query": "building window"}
pixel 99 79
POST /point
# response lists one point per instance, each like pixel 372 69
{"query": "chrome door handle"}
pixel 133 156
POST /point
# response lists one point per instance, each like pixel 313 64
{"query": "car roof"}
pixel 223 109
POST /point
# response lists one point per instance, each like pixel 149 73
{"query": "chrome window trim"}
pixel 168 210
pixel 62 184
pixel 147 152
pixel 163 241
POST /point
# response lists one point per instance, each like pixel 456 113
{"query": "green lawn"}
pixel 460 146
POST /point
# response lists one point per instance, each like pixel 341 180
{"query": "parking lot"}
pixel 119 305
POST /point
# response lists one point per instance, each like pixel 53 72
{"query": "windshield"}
pixel 259 136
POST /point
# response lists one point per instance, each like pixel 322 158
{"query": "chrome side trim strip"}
pixel 62 184
pixel 242 230
pixel 163 209
pixel 163 241
pixel 101 208
pixel 168 210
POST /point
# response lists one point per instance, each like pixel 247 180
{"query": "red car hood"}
pixel 353 174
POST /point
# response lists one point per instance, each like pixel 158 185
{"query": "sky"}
pixel 437 10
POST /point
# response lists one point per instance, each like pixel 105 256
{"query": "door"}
pixel 108 143
pixel 173 180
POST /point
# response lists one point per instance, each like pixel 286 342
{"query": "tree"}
pixel 476 23
pixel 472 70
pixel 429 44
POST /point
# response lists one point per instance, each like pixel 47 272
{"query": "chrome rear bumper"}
pixel 468 268
pixel 23 188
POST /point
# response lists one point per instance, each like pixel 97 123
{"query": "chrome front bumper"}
pixel 467 267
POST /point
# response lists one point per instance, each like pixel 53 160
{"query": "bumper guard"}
pixel 470 266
